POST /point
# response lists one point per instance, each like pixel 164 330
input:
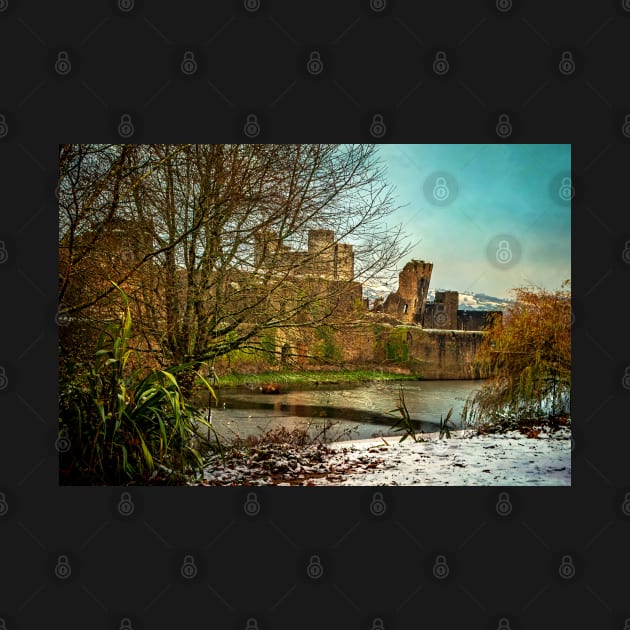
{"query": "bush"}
pixel 396 348
pixel 325 347
pixel 528 357
pixel 126 424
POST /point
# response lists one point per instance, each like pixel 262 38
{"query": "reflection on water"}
pixel 355 412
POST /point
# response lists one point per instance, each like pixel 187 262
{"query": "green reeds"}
pixel 126 423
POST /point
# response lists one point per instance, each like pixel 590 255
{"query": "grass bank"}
pixel 313 377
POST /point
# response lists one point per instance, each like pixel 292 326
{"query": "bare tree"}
pixel 216 237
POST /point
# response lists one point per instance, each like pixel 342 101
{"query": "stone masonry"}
pixel 324 257
pixel 441 314
pixel 408 303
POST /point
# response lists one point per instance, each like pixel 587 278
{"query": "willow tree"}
pixel 527 355
pixel 210 231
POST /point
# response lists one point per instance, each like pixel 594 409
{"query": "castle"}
pixel 315 286
pixel 409 303
pixel 323 258
pixel 332 261
pixel 325 261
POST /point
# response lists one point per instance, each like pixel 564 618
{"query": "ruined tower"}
pixel 409 302
pixel 442 312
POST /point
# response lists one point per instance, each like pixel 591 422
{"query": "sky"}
pixel 489 217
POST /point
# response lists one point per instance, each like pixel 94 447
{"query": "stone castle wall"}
pixel 404 349
pixel 430 354
pixel 476 320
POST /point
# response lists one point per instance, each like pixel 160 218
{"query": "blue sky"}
pixel 489 217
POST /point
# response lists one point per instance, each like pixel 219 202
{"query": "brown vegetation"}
pixel 528 356
pixel 209 243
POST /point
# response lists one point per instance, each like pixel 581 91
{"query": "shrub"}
pixel 396 348
pixel 325 347
pixel 528 357
pixel 125 423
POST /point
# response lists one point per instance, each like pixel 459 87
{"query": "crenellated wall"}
pixel 324 257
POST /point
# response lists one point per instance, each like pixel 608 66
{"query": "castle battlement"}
pixel 323 258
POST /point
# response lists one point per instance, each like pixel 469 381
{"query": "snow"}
pixel 476 301
pixel 508 459
pixel 468 300
pixel 483 460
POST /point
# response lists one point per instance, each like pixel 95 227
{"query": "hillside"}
pixel 467 300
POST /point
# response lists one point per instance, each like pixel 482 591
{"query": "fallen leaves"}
pixel 509 458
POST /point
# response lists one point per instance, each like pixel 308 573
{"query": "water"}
pixel 339 412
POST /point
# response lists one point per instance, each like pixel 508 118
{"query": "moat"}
pixel 355 411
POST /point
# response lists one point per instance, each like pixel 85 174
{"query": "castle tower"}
pixel 413 287
pixel 320 239
pixel 445 316
pixel 344 262
pixel 409 301
pixel 321 247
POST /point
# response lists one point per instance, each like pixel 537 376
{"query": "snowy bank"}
pixel 484 460
pixel 508 459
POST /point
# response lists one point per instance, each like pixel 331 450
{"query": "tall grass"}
pixel 404 423
pixel 128 424
pixel 313 377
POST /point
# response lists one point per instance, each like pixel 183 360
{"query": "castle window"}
pixel 405 308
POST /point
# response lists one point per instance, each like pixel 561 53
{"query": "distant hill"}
pixel 374 290
pixel 481 302
pixel 467 300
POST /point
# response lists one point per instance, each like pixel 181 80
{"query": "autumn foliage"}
pixel 528 357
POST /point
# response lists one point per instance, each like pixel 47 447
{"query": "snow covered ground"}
pixel 485 460
pixel 509 459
